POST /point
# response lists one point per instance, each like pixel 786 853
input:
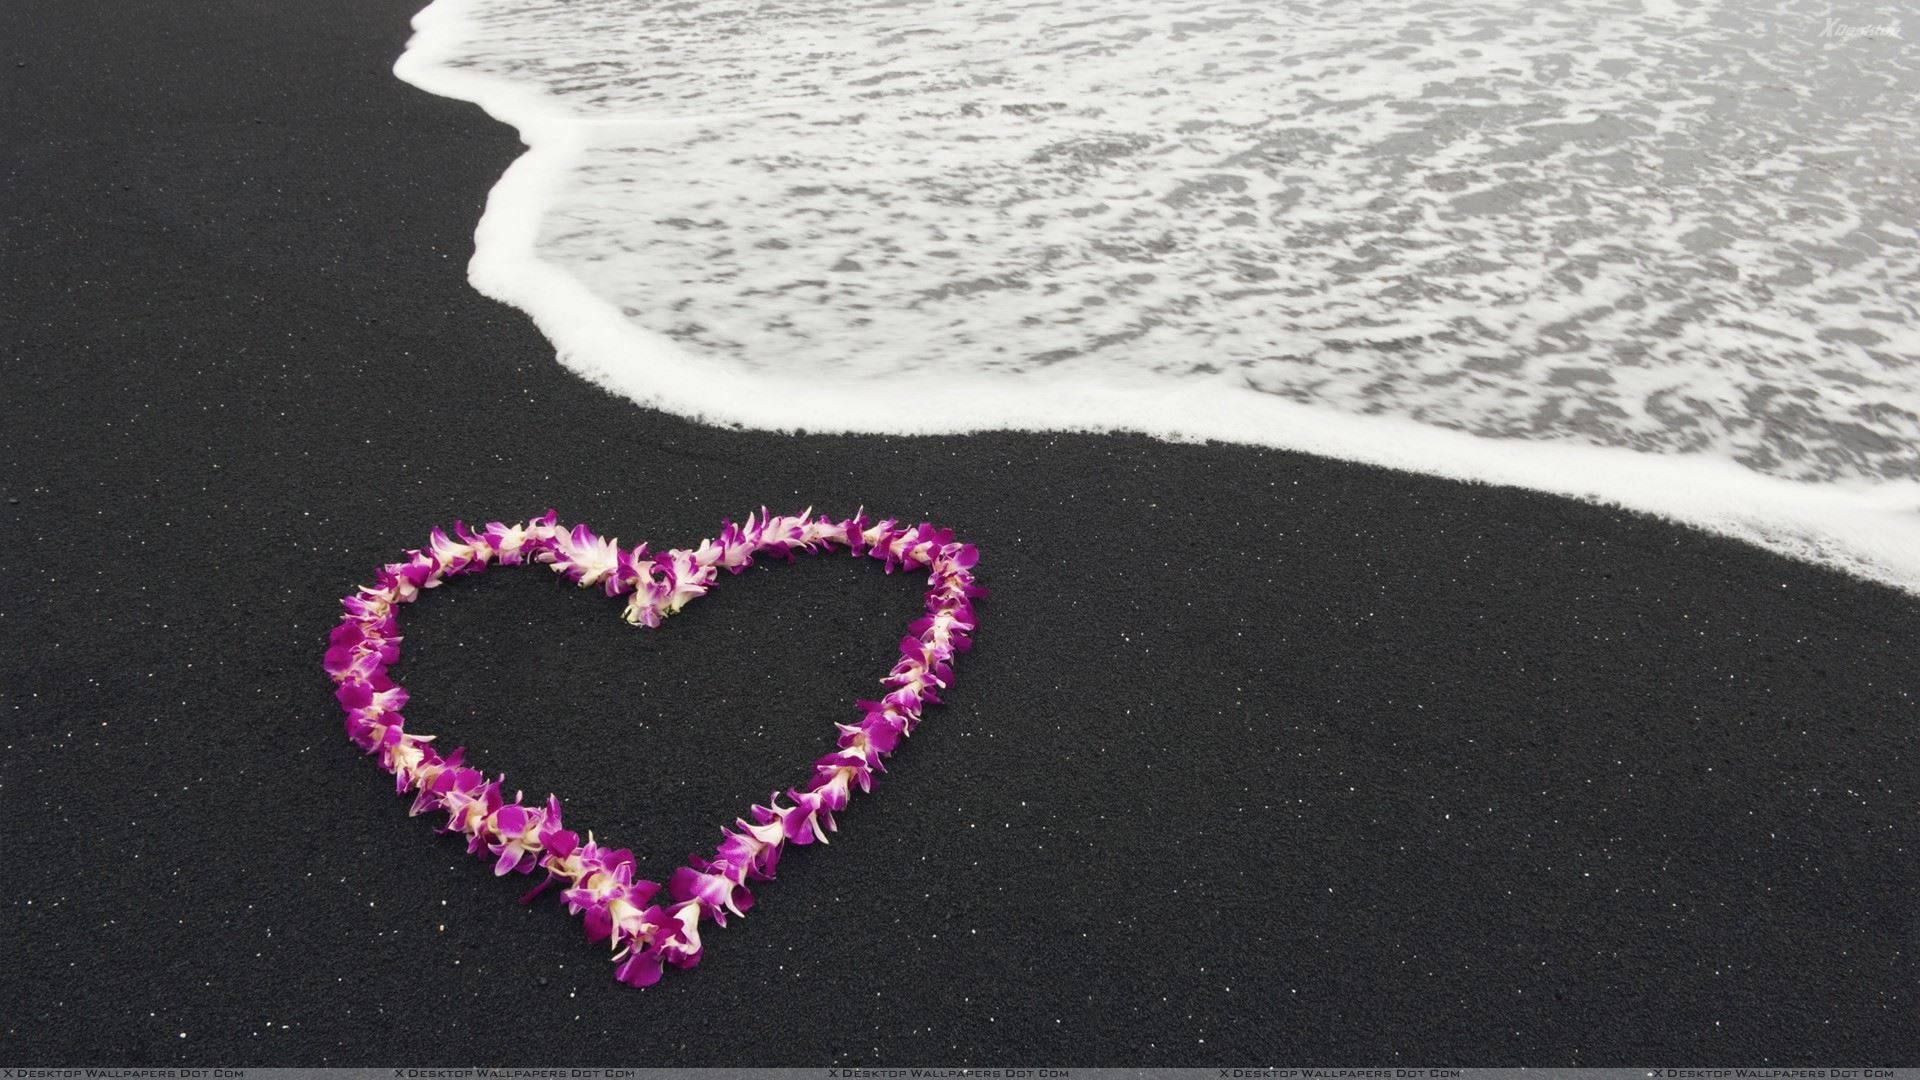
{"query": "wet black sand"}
pixel 1261 759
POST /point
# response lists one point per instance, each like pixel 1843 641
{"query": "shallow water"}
pixel 1680 229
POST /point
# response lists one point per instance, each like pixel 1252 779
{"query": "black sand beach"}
pixel 1260 759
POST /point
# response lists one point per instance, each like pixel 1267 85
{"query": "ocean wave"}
pixel 1661 255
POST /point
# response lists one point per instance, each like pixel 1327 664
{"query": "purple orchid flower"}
pixel 375 694
pixel 507 541
pixel 712 887
pixel 433 779
pixel 517 830
pixel 747 854
pixel 454 556
pixel 584 558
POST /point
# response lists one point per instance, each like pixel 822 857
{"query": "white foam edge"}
pixel 1869 530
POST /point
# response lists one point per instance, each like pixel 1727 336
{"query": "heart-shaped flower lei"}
pixel 599 882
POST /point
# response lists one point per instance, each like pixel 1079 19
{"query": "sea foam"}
pixel 1661 255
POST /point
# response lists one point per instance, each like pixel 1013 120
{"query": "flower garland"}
pixel 599 882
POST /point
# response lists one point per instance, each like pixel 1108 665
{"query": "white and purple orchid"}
pixel 599 883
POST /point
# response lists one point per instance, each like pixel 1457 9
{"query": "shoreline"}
pixel 1258 757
